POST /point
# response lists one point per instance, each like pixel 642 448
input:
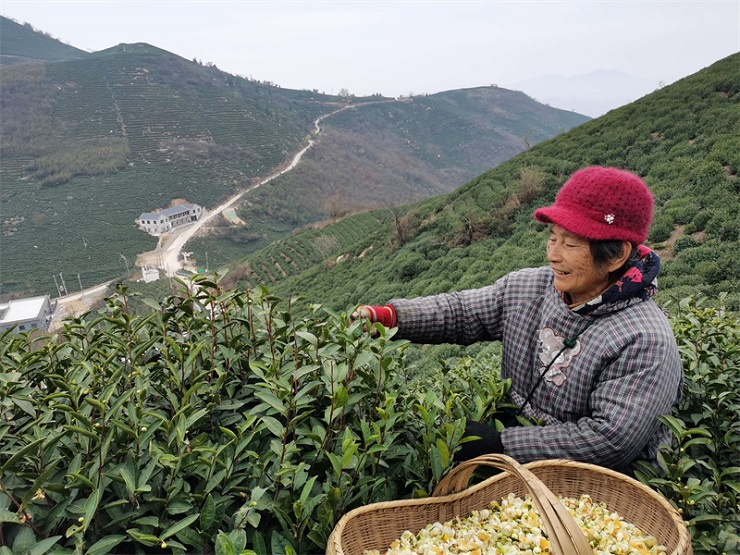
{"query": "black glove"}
pixel 489 441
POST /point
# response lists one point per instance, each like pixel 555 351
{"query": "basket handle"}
pixel 566 538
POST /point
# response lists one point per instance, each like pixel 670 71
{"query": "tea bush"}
pixel 221 423
pixel 700 472
pixel 217 423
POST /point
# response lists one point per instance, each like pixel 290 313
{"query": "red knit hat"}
pixel 602 203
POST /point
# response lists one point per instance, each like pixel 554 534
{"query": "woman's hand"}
pixel 386 315
pixel 486 440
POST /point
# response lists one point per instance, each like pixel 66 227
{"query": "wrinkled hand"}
pixel 360 313
pixel 386 315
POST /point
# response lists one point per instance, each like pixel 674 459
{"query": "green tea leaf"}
pixel 208 513
pixel 9 516
pixel 216 479
pixel 104 545
pixel 239 540
pixel 95 404
pixel 128 478
pixel 24 540
pixel 146 539
pixel 274 425
pixel 19 455
pixel 444 453
pixel 43 546
pixel 311 338
pixel 25 405
pixel 674 424
pixel 340 398
pixel 175 528
pixel 224 546
pixel 91 507
pixel 272 400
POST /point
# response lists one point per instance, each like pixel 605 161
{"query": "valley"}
pixel 167 256
pixel 130 129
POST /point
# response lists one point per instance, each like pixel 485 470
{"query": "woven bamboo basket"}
pixel 375 526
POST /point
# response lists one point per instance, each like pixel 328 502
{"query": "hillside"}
pixel 89 144
pixel 22 43
pixel 383 154
pixel 683 139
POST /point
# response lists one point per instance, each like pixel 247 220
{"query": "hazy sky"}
pixel 399 47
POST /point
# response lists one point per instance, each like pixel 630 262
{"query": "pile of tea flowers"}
pixel 513 526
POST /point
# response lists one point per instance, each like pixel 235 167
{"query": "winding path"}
pixel 167 254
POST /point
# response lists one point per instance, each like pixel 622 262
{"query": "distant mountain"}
pixel 592 94
pixel 23 43
pixel 88 144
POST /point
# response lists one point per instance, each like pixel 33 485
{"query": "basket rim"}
pixel 684 537
pixel 633 482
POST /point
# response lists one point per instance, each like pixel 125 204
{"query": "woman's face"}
pixel 571 261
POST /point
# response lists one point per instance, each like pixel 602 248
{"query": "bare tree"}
pixel 400 212
pixel 335 206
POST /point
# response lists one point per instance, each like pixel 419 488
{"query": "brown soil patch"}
pixel 666 252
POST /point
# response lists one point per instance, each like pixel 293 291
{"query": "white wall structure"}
pixel 156 223
pixel 26 314
pixel 149 275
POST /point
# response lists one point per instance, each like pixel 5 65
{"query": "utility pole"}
pixel 126 261
pixel 64 286
pixel 56 284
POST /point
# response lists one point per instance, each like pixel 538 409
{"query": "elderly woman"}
pixel 586 348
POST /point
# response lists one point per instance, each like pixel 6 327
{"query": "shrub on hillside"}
pixel 409 266
pixel 661 228
pixel 217 422
pixel 221 423
pixel 699 472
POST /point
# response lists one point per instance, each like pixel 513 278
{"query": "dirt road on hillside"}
pixel 166 256
pixel 76 304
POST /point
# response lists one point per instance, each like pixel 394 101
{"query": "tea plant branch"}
pixel 24 516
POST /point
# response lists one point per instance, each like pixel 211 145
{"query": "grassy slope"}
pixel 685 141
pixel 88 145
pixel 21 43
pixel 390 153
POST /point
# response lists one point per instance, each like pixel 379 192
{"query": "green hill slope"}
pixel 21 43
pixel 382 154
pixel 87 145
pixel 683 139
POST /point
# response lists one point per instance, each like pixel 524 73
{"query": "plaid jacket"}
pixel 600 399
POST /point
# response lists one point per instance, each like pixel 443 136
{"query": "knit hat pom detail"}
pixel 602 203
